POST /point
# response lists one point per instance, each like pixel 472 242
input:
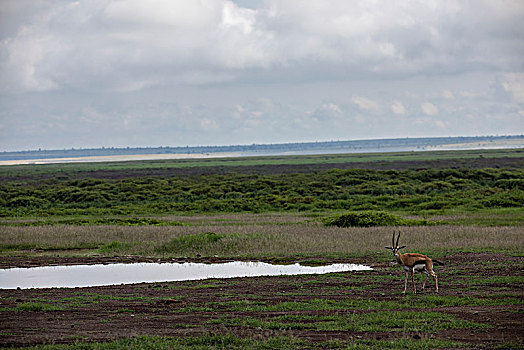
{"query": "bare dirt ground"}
pixel 193 308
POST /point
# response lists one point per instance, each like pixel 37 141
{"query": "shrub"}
pixel 510 184
pixel 437 204
pixel 26 201
pixel 370 218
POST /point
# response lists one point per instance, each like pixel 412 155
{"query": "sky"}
pixel 134 73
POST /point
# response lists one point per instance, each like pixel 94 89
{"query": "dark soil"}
pixel 275 169
pixel 182 309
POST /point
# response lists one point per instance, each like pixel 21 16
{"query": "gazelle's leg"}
pixel 413 279
pixel 405 282
pixel 436 280
pixel 425 278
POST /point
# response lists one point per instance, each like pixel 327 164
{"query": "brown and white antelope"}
pixel 412 262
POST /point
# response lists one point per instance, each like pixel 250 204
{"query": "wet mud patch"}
pixel 479 306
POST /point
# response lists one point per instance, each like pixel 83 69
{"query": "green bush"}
pixel 370 218
pixel 510 184
pixel 26 201
pixel 438 204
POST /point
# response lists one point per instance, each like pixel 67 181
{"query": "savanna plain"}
pixel 463 208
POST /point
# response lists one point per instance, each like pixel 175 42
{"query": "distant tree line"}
pixel 356 145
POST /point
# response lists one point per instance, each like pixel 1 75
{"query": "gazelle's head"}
pixel 394 246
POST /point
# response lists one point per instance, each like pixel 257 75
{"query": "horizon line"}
pixel 253 144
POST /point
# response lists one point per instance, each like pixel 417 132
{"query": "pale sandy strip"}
pixel 120 158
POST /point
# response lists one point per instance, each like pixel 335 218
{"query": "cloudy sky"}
pixel 119 73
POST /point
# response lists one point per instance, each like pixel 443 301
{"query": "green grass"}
pixel 500 280
pixel 78 221
pixel 79 301
pixel 397 344
pixel 422 191
pixel 301 241
pixel 114 247
pixel 191 242
pixel 233 342
pixel 167 343
pixel 96 297
pixel 418 301
pixel 487 217
pixel 381 321
pixel 228 341
pixel 32 306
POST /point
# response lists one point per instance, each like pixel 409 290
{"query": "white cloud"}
pixel 129 44
pixel 218 71
pixel 398 108
pixel 448 95
pixel 468 94
pixel 440 124
pixel 208 124
pixel 132 44
pixel 242 19
pixel 333 107
pixel 514 84
pixel 365 103
pixel 327 112
pixel 429 108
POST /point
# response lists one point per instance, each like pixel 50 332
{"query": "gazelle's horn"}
pixel 393 240
pixel 398 237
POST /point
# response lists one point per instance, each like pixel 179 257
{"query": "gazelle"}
pixel 412 262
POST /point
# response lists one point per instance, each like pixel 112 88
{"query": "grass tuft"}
pixel 33 306
pixel 191 242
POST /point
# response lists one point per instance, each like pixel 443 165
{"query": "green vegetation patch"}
pixel 98 221
pixel 414 191
pixel 114 247
pixel 499 280
pixel 86 299
pixel 33 306
pixel 211 341
pixel 191 242
pixel 382 321
pixel 399 344
pixel 47 246
pixel 487 217
pixel 320 304
pixel 229 341
pixel 371 218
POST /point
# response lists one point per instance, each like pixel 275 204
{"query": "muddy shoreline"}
pixel 38 261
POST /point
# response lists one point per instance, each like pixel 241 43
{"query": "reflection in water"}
pixel 101 275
